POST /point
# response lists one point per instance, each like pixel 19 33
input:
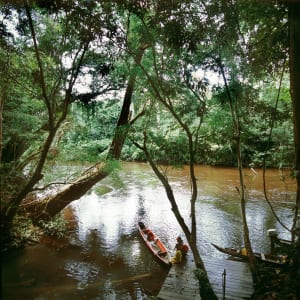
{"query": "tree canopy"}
pixel 186 81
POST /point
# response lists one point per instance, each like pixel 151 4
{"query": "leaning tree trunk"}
pixel 206 291
pixel 124 122
pixel 51 205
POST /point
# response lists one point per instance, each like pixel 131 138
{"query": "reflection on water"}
pixel 105 258
pixel 83 272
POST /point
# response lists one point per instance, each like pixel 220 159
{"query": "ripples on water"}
pixel 106 259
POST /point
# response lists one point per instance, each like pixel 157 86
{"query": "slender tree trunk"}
pixel 237 137
pixel 193 237
pixel 247 241
pixel 206 291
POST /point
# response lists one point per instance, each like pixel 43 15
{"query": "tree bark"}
pixel 123 121
pixel 52 205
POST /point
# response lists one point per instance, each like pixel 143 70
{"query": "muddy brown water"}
pixel 104 257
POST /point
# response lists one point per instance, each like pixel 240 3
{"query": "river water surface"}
pixel 104 257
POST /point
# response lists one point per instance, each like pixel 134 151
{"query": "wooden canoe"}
pixel 266 258
pixel 286 244
pixel 157 249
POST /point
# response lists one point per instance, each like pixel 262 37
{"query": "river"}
pixel 104 257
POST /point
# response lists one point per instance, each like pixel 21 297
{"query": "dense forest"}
pixel 168 82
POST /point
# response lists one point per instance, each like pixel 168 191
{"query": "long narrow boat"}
pixel 155 246
pixel 266 258
pixel 281 243
pixel 284 242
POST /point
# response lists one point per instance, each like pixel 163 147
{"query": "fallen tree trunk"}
pixel 53 204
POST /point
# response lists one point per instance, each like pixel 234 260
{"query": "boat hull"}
pixel 157 249
pixel 265 258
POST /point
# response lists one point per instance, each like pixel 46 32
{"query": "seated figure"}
pixel 177 258
pixel 184 248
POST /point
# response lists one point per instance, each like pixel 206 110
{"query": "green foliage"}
pixel 93 124
pixel 11 180
pixel 85 151
pixel 23 113
pixel 248 39
pixel 132 153
pixel 91 130
pixel 21 231
pixel 112 165
pixel 257 113
pixel 55 227
pixel 172 148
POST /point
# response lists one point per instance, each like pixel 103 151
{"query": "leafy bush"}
pixel 56 227
pixel 21 231
pixel 84 151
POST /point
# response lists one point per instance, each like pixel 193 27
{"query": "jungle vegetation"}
pixel 168 82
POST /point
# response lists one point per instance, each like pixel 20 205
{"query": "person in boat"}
pixel 177 258
pixel 142 226
pixel 150 234
pixel 184 248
